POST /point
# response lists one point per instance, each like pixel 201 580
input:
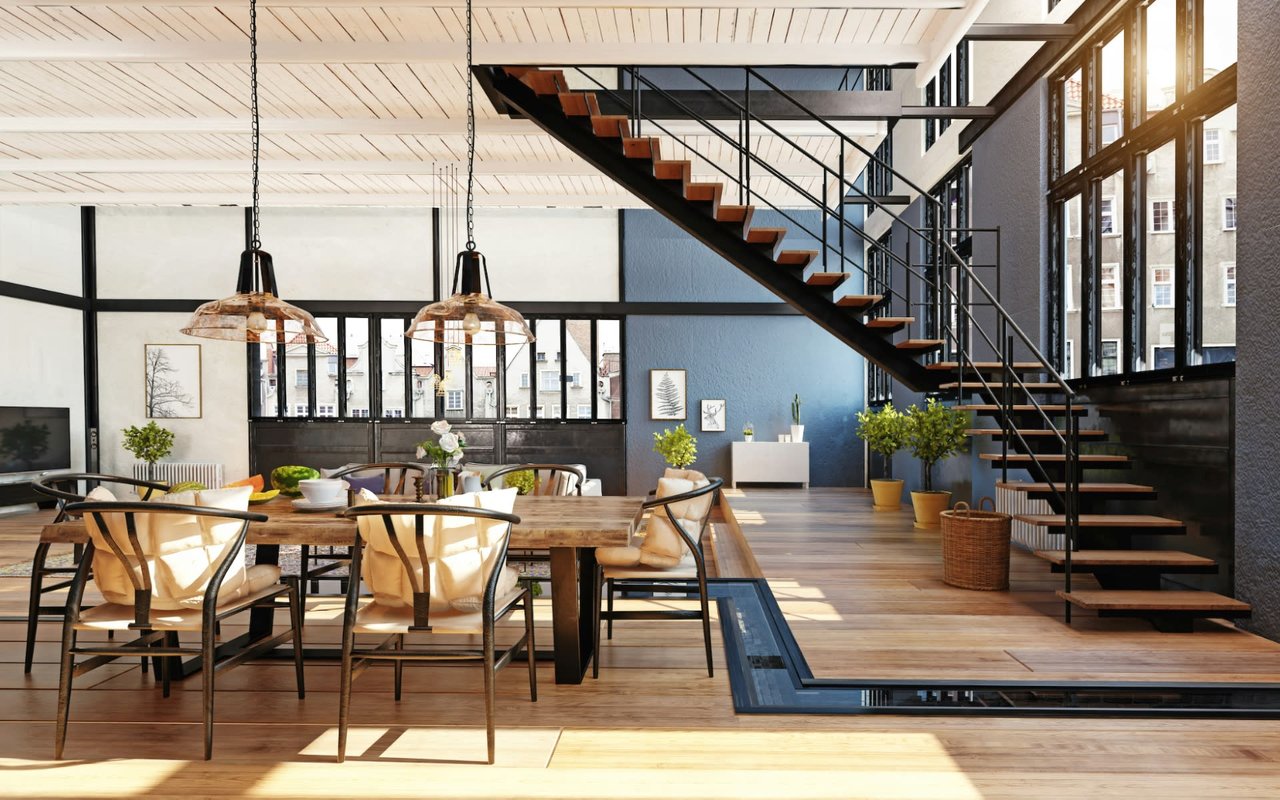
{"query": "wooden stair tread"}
pixel 703 192
pixel 579 104
pixel 826 278
pixel 1031 432
pixel 672 170
pixel 1084 488
pixel 641 147
pixel 1048 408
pixel 545 81
pixel 610 125
pixel 1085 458
pixel 859 300
pixel 796 258
pixel 1101 521
pixel 731 213
pixel 1126 558
pixel 890 322
pixel 1030 387
pixel 765 235
pixel 1154 600
pixel 919 344
pixel 985 366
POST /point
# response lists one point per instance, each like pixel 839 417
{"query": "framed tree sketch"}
pixel 713 416
pixel 667 399
pixel 171 381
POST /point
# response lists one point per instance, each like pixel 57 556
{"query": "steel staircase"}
pixel 935 326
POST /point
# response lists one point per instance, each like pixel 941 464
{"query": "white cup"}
pixel 323 490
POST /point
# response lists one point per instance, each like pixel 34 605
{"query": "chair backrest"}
pixel 64 487
pixel 449 553
pixel 167 556
pixel 680 511
pixel 395 475
pixel 558 480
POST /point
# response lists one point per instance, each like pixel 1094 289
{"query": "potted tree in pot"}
pixel 885 432
pixel 150 443
pixel 797 429
pixel 934 433
pixel 677 447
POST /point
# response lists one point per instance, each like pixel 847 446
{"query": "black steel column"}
pixel 89 331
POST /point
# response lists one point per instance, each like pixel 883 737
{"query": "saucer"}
pixel 303 504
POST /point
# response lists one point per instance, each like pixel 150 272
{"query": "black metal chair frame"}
pixel 658 583
pixel 161 643
pixel 536 556
pixel 356 660
pixel 55 486
pixel 336 557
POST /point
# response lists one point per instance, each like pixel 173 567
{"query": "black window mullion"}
pixel 1188 190
pixel 311 380
pixel 341 347
pixel 281 389
pixel 1135 309
pixel 373 348
pixel 500 374
pixel 564 369
pixel 1089 270
pixel 468 379
pixel 437 399
pixel 962 72
pixel 1057 290
pixel 533 372
pixel 407 356
pixel 594 368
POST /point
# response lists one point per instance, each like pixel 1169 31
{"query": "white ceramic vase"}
pixel 797 433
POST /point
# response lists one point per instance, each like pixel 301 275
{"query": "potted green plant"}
pixel 934 433
pixel 885 431
pixel 677 447
pixel 150 443
pixel 797 430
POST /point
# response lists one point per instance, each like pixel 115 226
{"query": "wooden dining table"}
pixel 569 528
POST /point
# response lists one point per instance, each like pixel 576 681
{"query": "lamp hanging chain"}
pixel 471 141
pixel 256 124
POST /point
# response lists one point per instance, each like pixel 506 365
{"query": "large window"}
pixel 576 366
pixel 1142 190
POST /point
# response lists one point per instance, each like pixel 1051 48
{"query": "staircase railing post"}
pixel 1071 498
pixel 746 114
pixel 826 209
pixel 840 204
pixel 1006 408
pixel 742 157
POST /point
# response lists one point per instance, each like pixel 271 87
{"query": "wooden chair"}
pixel 415 590
pixel 680 511
pixel 65 488
pixel 163 569
pixel 395 481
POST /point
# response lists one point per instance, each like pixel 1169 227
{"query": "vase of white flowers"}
pixel 446 457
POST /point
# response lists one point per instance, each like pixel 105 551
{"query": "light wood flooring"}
pixel 652 726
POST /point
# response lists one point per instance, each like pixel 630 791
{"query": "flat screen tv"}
pixel 34 439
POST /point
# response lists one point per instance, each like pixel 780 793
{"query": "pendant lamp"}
pixel 255 313
pixel 471 311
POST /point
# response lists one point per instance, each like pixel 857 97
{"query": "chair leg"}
pixel 610 596
pixel 302 578
pixel 490 697
pixel 296 622
pixel 596 587
pixel 399 666
pixel 206 676
pixel 344 693
pixel 64 691
pixel 706 626
pixel 164 667
pixel 33 602
pixel 529 647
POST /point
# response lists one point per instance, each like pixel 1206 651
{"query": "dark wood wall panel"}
pixel 314 444
pixel 602 448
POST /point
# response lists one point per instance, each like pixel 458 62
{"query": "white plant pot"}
pixel 748 437
pixel 797 433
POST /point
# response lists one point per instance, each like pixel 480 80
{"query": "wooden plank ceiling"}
pixel 146 101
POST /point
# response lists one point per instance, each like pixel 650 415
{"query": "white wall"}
pixel 221 435
pixel 319 253
pixel 566 255
pixel 41 348
pixel 40 246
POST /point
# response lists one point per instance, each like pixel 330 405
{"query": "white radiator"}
pixel 1027 536
pixel 181 472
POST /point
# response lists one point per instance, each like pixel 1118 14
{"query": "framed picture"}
pixel 667 397
pixel 171 381
pixel 713 415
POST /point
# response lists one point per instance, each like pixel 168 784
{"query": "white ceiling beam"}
pixel 545 53
pixel 943 45
pixel 643 4
pixel 424 200
pixel 574 168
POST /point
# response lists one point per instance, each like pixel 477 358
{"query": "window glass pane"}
pixel 1112 100
pixel 264 397
pixel 577 368
pixel 1111 213
pixel 1218 240
pixel 1162 54
pixel 454 381
pixel 1071 121
pixel 296 375
pixel 484 376
pixel 518 379
pixel 356 354
pixel 326 378
pixel 1110 357
pixel 547 367
pixel 393 341
pixel 423 356
pixel 1219 36
pixel 1070 211
pixel 1160 220
pixel 608 372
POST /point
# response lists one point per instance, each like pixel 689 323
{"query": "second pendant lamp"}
pixel 470 316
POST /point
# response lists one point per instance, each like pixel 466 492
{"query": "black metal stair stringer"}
pixel 636 175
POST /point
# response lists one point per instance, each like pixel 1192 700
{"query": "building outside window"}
pixel 1108 216
pixel 1162 216
pixel 453 400
pixel 1228 213
pixel 1162 287
pixel 1110 289
pixel 326 410
pixel 1110 356
pixel 584 411
pixel 1229 283
pixel 1212 146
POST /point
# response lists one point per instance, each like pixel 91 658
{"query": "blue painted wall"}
pixel 754 362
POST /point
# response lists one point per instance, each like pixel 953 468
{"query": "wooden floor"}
pixel 653 725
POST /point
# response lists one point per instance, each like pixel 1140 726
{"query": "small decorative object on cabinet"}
pixel 797 430
pixel 748 432
pixel 885 432
pixel 975 547
pixel 713 416
pixel 150 443
pixel 934 433
pixel 667 397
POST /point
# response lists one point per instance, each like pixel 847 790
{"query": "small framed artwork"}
pixel 171 381
pixel 667 396
pixel 713 416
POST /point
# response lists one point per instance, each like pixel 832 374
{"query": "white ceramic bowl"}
pixel 323 490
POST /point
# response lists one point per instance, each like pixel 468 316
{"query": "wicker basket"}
pixel 975 547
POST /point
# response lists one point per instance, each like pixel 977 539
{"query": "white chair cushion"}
pixel 375 617
pixel 687 568
pixel 662 547
pixel 118 616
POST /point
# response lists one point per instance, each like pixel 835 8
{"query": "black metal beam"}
pixel 833 106
pixel 815 304
pixel 89 332
pixel 34 294
pixel 1025 32
pixel 537 308
pixel 885 200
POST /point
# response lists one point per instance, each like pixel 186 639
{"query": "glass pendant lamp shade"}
pixel 470 316
pixel 254 313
